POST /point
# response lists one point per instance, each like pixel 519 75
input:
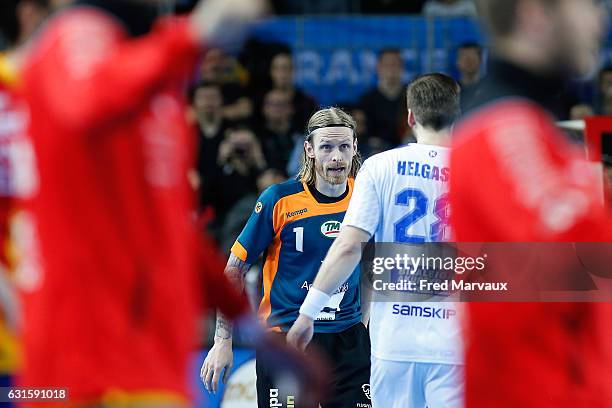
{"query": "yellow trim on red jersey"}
pixel 8 71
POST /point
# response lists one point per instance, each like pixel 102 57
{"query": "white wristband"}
pixel 315 302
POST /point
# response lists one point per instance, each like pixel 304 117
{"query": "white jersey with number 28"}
pixel 401 196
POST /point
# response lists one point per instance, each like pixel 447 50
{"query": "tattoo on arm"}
pixel 235 271
pixel 223 330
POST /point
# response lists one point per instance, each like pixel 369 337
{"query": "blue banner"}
pixel 335 56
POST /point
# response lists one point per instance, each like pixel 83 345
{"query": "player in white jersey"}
pixel 400 196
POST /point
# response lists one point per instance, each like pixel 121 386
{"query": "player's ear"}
pixel 411 119
pixel 308 149
pixel 354 145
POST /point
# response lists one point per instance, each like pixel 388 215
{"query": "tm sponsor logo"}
pixel 330 229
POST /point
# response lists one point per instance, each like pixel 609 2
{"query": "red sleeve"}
pixel 515 178
pixel 89 72
pixel 218 290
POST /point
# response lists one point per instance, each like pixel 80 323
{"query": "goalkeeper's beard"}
pixel 331 178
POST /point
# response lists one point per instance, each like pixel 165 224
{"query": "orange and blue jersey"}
pixel 296 231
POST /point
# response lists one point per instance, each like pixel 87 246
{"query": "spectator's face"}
pixel 579 112
pixel 390 67
pixel 607 104
pixel 207 100
pixel 468 61
pixel 30 15
pixel 277 106
pixel 578 29
pixel 605 82
pixel 268 178
pixel 333 150
pixel 60 3
pixel 281 71
pixel 242 141
pixel 213 65
pixel 361 121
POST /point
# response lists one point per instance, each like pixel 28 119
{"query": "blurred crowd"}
pixel 250 114
pixel 251 119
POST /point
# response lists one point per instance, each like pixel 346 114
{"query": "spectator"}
pixel 384 105
pixel 207 106
pixel 276 133
pixel 282 75
pixel 469 62
pixel 606 106
pixel 604 87
pixel 217 67
pixel 450 8
pixel 239 161
pixel 239 214
pixel 581 111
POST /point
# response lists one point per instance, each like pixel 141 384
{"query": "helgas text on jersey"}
pixel 426 171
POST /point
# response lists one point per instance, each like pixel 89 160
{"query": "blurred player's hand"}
pixel 219 357
pixel 305 377
pixel 301 332
pixel 219 23
pixel 293 373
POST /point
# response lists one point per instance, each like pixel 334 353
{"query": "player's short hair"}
pixel 329 117
pixel 500 16
pixel 434 100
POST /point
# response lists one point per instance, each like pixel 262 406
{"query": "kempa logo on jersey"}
pixel 298 212
pixel 419 311
pixel 330 229
pixel 275 403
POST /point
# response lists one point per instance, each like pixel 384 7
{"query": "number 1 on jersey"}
pixel 299 239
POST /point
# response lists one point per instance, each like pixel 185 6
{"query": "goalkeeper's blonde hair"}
pixel 328 117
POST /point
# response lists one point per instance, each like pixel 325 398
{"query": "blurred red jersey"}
pixel 113 307
pixel 515 178
pixel 518 179
pixel 13 123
